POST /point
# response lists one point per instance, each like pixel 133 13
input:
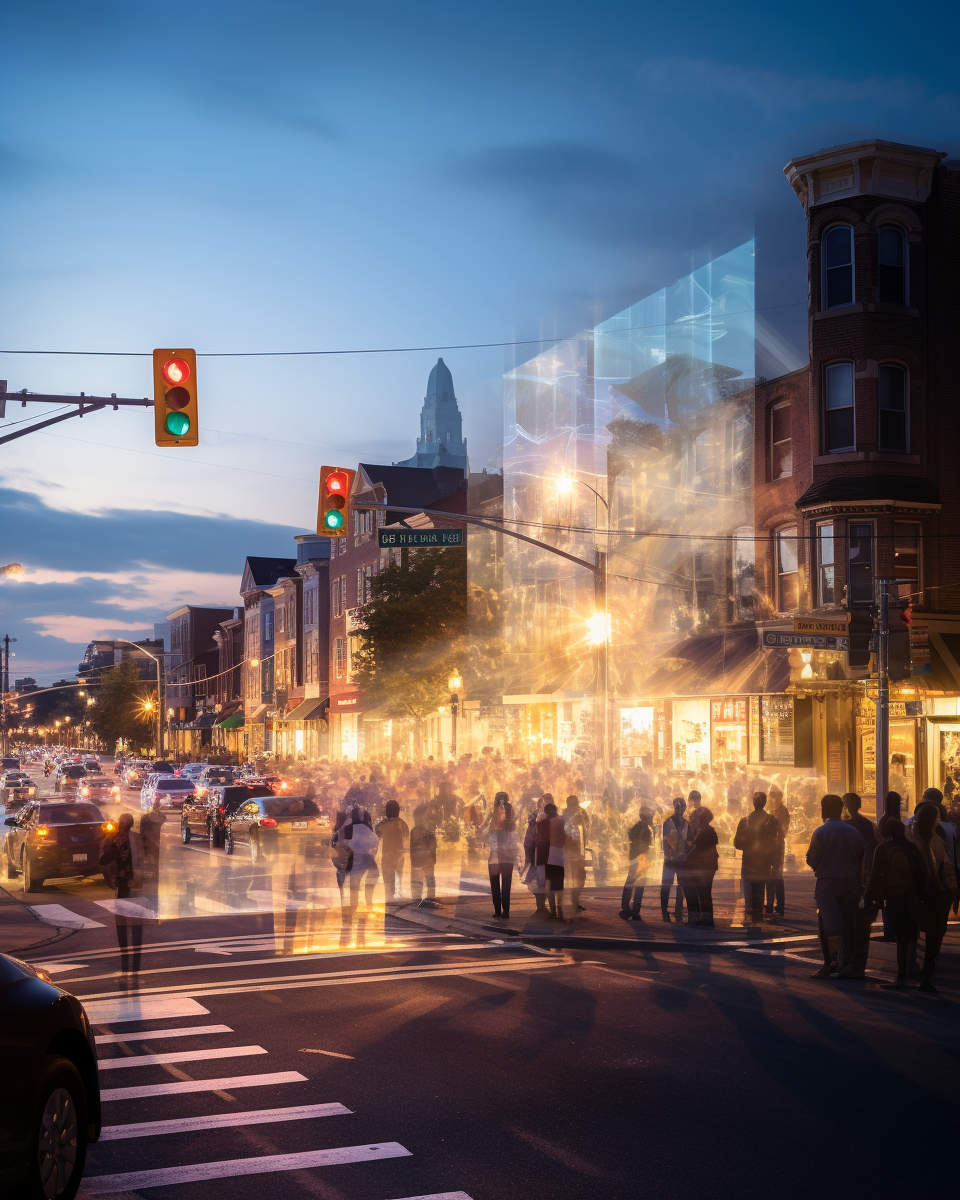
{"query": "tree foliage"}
pixel 119 712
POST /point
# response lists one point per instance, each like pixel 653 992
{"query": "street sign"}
pixel 821 625
pixel 394 539
pixel 804 641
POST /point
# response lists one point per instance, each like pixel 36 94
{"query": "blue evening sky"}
pixel 293 176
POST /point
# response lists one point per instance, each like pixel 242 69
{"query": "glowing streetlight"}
pixel 455 682
pixel 598 629
pixel 254 662
pixel 148 706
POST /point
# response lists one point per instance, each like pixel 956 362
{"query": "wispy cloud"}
pixel 145 585
pixel 780 92
pixel 70 628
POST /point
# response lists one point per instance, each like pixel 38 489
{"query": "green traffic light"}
pixel 333 519
pixel 178 423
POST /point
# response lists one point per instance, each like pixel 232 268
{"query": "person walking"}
pixel 394 835
pixel 576 825
pixel 898 882
pixel 836 855
pixel 536 849
pixel 554 836
pixel 775 892
pixel 500 831
pixel 423 860
pixel 866 912
pixel 358 836
pixel 675 848
pixel 121 856
pixel 935 909
pixel 758 838
pixel 639 847
pixel 702 864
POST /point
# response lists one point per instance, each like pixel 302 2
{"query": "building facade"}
pixel 257 586
pixel 192 659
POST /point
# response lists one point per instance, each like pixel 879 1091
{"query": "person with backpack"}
pixel 759 839
pixel 898 882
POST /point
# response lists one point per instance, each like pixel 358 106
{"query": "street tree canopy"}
pixel 119 711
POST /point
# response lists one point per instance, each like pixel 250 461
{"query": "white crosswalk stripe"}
pixel 177 1056
pixel 202 1085
pixel 150 1035
pixel 264 1116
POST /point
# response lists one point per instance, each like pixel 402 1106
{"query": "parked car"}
pixel 171 791
pixel 54 839
pixel 100 789
pixel 205 813
pixel 16 789
pixel 9 762
pixel 50 1060
pixel 269 824
pixel 68 776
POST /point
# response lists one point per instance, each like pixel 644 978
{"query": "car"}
pixel 92 765
pixel 161 767
pixel 213 777
pixel 171 791
pixel 205 813
pixel 268 824
pixel 54 839
pixel 49 1056
pixel 100 789
pixel 192 770
pixel 68 776
pixel 16 789
pixel 135 771
pixel 9 763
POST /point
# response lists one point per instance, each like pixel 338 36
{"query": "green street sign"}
pixel 395 539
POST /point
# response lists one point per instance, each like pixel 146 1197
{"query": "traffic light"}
pixel 175 397
pixel 860 632
pixel 333 511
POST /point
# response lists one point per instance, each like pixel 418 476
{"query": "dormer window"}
pixel 838 266
pixel 892 274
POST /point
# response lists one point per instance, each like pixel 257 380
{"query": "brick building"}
pixel 855 454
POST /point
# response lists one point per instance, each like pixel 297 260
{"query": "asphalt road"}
pixel 419 1065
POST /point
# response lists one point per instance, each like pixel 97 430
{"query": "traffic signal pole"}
pixel 882 727
pixel 85 405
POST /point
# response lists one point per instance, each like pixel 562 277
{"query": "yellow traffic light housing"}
pixel 333 511
pixel 175 398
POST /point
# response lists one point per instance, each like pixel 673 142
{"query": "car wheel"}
pixel 228 842
pixel 11 866
pixel 184 832
pixel 213 837
pixel 256 851
pixel 31 883
pixel 59 1132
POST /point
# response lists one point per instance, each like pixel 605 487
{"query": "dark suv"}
pixel 206 816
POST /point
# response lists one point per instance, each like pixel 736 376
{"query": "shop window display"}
pixel 776 729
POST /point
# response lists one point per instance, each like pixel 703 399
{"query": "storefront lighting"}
pixel 807 672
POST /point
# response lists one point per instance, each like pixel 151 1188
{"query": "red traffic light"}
pixel 336 483
pixel 175 371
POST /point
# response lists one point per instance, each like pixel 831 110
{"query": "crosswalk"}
pixel 123 1048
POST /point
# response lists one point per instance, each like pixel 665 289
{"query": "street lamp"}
pixel 454 683
pixel 159 694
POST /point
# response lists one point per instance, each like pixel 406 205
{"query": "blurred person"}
pixel 553 868
pixel 898 882
pixel 775 897
pixel 121 856
pixel 576 828
pixel 935 909
pixel 866 911
pixel 701 865
pixel 358 836
pixel 394 835
pixel 675 846
pixel 536 850
pixel 639 850
pixel 423 860
pixel 500 832
pixel 836 854
pixel 892 803
pixel 759 839
pixel 694 801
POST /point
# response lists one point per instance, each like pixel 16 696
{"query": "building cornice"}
pixel 871 168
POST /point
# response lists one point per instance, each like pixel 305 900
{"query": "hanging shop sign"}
pixel 819 625
pixel 803 641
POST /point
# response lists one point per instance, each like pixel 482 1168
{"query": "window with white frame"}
pixel 892 272
pixel 894 409
pixel 839 424
pixel 788 575
pixel 837 266
pixel 340 649
pixel 826 564
pixel 781 441
pixel 335 598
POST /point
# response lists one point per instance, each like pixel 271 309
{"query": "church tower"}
pixel 441 442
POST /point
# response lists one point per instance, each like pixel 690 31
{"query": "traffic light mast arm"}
pixel 86 404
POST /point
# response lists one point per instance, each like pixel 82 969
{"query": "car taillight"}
pixel 222 810
pixel 44 831
pixel 115 791
pixel 268 822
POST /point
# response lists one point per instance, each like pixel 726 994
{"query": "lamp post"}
pixel 455 683
pixel 159 704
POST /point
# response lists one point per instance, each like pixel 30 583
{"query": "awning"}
pixel 233 722
pixel 718 664
pixel 228 709
pixel 307 710
pixel 205 720
pixel 257 713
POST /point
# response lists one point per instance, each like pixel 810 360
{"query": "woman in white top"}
pixel 500 831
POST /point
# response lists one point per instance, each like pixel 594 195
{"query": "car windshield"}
pixel 69 814
pixel 170 784
pixel 290 806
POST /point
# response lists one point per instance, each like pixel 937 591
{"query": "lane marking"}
pixel 263 1116
pixel 134 1181
pixel 128 908
pixel 148 1035
pixel 60 967
pixel 329 1053
pixel 202 1085
pixel 175 1056
pixel 333 978
pixel 56 914
pixel 442 1196
pixel 110 1009
pixel 291 959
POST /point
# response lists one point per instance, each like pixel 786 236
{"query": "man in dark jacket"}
pixel 639 841
pixel 675 846
pixel 836 855
pixel 758 838
pixel 868 914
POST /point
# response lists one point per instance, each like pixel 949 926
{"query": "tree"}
pixel 119 711
pixel 412 633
